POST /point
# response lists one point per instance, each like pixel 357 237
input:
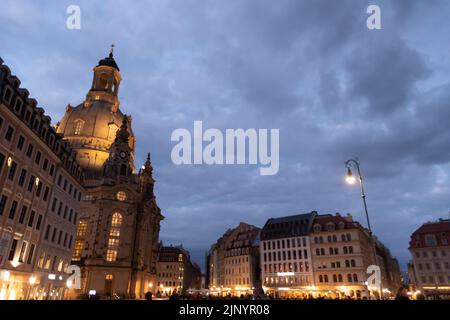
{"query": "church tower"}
pixel 118 233
pixel 91 126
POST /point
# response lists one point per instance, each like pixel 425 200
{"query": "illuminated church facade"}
pixel 118 232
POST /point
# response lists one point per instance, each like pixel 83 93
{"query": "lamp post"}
pixel 350 179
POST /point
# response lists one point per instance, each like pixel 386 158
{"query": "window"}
pixel 121 196
pixel 12 211
pixel 430 240
pixel 22 251
pixel 31 183
pixel 37 160
pixel 39 222
pixel 9 133
pixel 39 189
pixel 30 254
pixel 82 228
pixel 31 220
pixel 20 142
pixel 30 150
pixel 52 169
pixel 54 234
pixel 23 214
pixel 12 251
pixel 45 165
pixel 114 236
pixel 22 177
pixel 3 201
pixel 47 190
pixel 2 160
pixel 12 171
pixel 78 127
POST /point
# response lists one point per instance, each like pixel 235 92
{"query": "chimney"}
pixel 349 217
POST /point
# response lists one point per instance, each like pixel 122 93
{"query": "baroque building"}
pixel 118 232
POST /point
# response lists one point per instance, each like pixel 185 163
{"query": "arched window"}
pixel 343 237
pixel 349 277
pixel 320 278
pixel 345 250
pixel 350 249
pixel 349 237
pixel 340 278
pixel 355 277
pixel 317 252
pixel 114 236
pixel 78 126
pixel 353 264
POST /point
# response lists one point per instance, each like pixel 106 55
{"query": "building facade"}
pixel 118 233
pixel 342 250
pixel 430 250
pixel 41 189
pixel 286 256
pixel 176 272
pixel 233 262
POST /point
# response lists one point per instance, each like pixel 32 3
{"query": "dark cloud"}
pixel 311 68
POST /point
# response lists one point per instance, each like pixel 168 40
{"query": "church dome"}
pixel 91 126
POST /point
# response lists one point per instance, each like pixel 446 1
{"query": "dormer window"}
pixel 317 228
pixel 330 226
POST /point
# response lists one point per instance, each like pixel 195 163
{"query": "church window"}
pixel 78 127
pixel 114 235
pixel 82 228
pixel 121 196
pixel 112 131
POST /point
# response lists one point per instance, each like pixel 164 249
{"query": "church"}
pixel 117 236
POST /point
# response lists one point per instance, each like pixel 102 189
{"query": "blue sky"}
pixel 310 68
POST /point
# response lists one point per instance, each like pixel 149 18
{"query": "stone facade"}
pixel 175 271
pixel 118 233
pixel 41 188
pixel 233 262
pixel 430 250
pixel 286 255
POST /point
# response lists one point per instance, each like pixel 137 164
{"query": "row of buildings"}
pixel 299 256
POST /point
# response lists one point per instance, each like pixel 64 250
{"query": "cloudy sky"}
pixel 310 68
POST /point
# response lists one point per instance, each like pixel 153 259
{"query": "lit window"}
pixel 78 248
pixel 121 196
pixel 114 235
pixel 78 127
pixel 82 228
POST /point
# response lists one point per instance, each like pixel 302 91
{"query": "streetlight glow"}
pixel 350 177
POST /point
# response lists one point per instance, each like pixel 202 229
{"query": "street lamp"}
pixel 351 180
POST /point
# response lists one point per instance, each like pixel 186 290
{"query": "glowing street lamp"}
pixel 351 180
